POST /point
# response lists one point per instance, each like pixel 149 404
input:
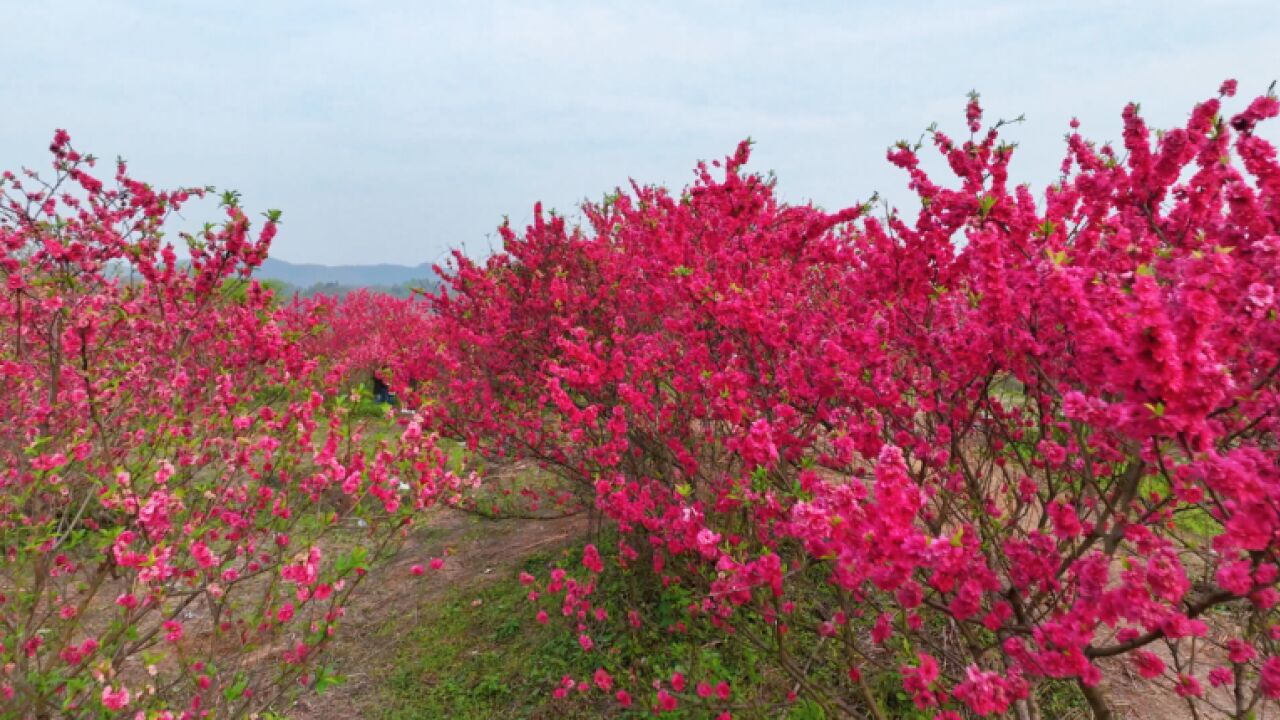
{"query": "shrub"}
pixel 179 488
pixel 978 451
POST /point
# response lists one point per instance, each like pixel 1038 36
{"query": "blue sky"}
pixel 391 131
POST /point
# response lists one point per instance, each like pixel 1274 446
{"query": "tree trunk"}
pixel 1097 700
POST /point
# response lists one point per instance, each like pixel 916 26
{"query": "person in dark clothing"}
pixel 381 393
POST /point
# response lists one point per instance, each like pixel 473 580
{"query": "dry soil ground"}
pixel 476 551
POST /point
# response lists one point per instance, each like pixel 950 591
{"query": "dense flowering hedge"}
pixel 175 464
pixel 371 333
pixel 973 448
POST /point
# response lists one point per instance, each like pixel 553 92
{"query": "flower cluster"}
pixel 174 459
pixel 974 448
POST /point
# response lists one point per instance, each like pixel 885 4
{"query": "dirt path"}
pixel 476 551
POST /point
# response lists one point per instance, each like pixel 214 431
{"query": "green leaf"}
pixel 326 678
pixel 237 688
pixel 351 561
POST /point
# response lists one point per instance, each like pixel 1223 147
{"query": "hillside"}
pixel 309 278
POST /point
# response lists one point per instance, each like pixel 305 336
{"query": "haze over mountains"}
pixel 308 278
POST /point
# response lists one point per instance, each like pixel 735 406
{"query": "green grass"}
pixel 480 654
pixel 1061 699
pixel 367 408
pixel 468 660
pixel 1191 519
pixel 460 460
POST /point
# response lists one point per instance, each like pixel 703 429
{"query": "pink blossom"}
pixel 1148 664
pixel 603 680
pixel 115 699
pixel 591 559
pixel 1270 684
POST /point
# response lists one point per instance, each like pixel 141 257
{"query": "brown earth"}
pixel 476 551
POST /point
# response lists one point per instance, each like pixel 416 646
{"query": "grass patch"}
pixel 479 654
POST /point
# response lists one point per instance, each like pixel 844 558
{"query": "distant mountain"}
pixel 305 275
